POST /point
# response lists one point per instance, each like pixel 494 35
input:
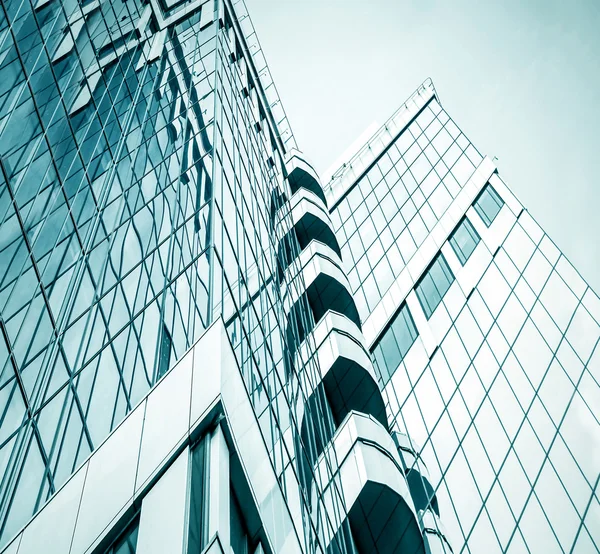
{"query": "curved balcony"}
pixel 330 321
pixel 300 174
pixel 347 381
pixel 346 371
pixel 434 533
pixel 417 474
pixel 311 227
pixel 314 256
pixel 308 219
pixel 306 223
pixel 370 479
pixel 322 280
pixel 302 196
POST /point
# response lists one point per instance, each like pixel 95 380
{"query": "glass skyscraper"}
pixel 205 350
pixel 483 335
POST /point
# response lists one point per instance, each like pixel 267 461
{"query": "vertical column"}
pixel 219 488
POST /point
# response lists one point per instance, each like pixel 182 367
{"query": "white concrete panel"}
pixel 56 519
pixel 452 259
pixel 13 547
pixel 167 418
pixel 110 481
pixel 163 514
pixel 206 379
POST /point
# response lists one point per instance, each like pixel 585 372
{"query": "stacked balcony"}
pixel 423 494
pixel 352 457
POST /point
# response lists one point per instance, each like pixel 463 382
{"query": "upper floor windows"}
pixel 434 284
pixel 395 343
pixel 488 204
pixel 463 240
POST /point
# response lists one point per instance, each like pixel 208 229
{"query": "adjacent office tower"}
pixel 483 335
pixel 205 350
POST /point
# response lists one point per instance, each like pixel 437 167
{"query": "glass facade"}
pixel 105 205
pixel 407 333
pixel 141 148
pixel 499 389
pixel 127 543
pixel 383 220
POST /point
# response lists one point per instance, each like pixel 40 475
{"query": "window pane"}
pixel 165 352
pixel 434 284
pixel 464 239
pixel 239 535
pixel 391 353
pixel 395 343
pixel 197 538
pixel 488 204
pixel 405 330
pixel 127 542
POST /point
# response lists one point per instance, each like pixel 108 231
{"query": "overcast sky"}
pixel 520 78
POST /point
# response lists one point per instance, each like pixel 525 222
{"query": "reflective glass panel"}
pixel 127 542
pixel 434 284
pixel 463 240
pixel 488 204
pixel 395 343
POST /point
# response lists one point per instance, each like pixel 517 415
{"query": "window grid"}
pixel 388 214
pixel 485 376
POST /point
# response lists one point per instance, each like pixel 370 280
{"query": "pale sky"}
pixel 520 78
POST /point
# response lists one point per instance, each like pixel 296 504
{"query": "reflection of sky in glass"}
pixel 500 387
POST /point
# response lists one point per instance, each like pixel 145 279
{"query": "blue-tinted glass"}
pixel 127 543
pixel 464 240
pixel 165 352
pixel 434 284
pixel 390 353
pixel 395 343
pixel 488 204
pixel 197 517
pixel 404 330
pixel 428 295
